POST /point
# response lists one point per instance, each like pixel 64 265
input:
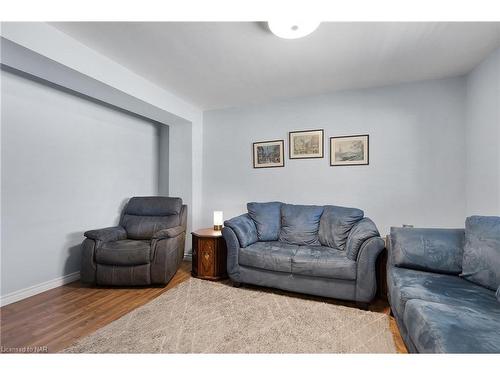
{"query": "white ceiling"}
pixel 224 64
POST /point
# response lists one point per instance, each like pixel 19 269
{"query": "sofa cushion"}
pixel 267 218
pixel 271 256
pixel 438 250
pixel 360 232
pixel 439 328
pixel 406 284
pixel 323 261
pixel 244 228
pixel 481 260
pixel 335 225
pixel 123 253
pixel 300 224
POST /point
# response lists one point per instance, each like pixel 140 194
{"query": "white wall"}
pixel 183 118
pixel 417 157
pixel 483 138
pixel 68 165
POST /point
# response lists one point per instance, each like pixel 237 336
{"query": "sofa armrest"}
pixel 169 232
pixel 107 234
pixel 427 249
pixel 233 248
pixel 366 280
pixel 360 232
pixel 244 228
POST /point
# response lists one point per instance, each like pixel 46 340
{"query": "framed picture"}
pixel 349 150
pixel 306 144
pixel 268 154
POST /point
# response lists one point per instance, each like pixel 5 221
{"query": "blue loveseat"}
pixel 327 251
pixel 441 287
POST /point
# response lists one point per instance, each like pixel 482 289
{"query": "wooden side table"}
pixel 209 254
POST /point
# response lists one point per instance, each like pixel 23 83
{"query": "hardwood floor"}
pixel 53 320
pixel 59 317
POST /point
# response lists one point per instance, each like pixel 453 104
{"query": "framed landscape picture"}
pixel 349 150
pixel 306 144
pixel 268 154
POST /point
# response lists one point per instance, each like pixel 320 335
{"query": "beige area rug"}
pixel 207 317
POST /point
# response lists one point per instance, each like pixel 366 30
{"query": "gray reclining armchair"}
pixel 146 248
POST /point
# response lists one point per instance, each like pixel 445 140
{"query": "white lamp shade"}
pixel 218 218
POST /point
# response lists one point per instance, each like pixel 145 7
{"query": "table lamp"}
pixel 218 220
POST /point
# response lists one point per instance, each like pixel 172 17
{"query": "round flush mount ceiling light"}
pixel 292 30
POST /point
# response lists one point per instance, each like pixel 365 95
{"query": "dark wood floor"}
pixel 57 318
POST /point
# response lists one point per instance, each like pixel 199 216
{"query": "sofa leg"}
pixel 362 305
pixel 236 284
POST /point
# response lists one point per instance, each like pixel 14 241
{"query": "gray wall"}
pixel 415 176
pixel 483 138
pixel 68 165
pixel 163 172
pixel 180 172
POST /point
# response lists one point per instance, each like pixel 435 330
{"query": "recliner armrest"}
pixel 107 234
pixel 169 232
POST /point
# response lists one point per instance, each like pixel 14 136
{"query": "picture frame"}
pixel 306 144
pixel 269 154
pixel 350 150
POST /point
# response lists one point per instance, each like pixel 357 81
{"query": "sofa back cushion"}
pixel 481 258
pixel 335 225
pixel 300 224
pixel 143 216
pixel 434 250
pixel 244 228
pixel 267 218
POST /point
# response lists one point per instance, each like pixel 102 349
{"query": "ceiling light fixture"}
pixel 292 30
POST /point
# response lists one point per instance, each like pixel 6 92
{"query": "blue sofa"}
pixel 327 251
pixel 441 287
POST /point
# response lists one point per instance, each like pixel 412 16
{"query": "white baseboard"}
pixel 39 288
pixel 47 285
